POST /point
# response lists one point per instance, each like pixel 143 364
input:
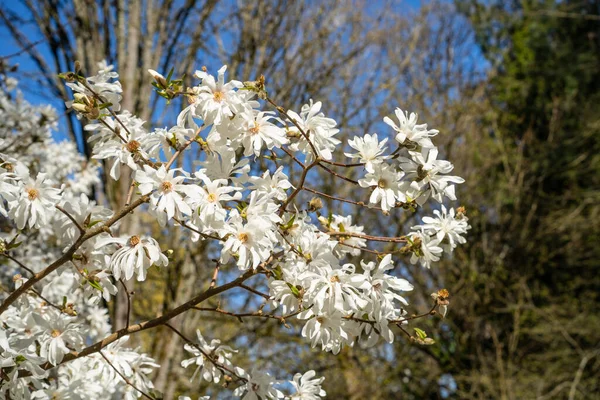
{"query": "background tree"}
pixel 518 107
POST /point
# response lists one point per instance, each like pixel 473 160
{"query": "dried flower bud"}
pixel 315 204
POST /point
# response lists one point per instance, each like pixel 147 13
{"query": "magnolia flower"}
pixel 408 131
pixel 135 254
pixel 427 249
pixel 385 182
pixel 318 128
pixel 58 331
pixel 282 295
pixel 218 352
pixel 225 166
pixel 347 244
pixel 208 201
pixel 306 387
pixel 274 185
pixel 84 211
pixel 428 174
pixel 127 149
pixel 9 188
pixel 165 188
pixel 249 242
pixel 259 385
pixel 370 150
pixel 329 330
pixel 335 289
pixel 104 84
pixel 257 131
pixel 35 203
pixel 213 101
pixel 446 226
pixel 383 288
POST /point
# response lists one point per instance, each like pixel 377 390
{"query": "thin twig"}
pixel 130 192
pixel 217 364
pixel 128 300
pixel 213 281
pixel 358 203
pixel 401 239
pixel 127 381
pixel 73 220
pixel 18 262
pixel 252 290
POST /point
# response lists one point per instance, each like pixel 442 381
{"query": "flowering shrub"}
pixel 63 258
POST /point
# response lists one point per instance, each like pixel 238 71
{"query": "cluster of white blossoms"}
pixel 50 319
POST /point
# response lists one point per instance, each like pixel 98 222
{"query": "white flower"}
pixel 329 330
pixel 446 226
pixel 306 387
pixel 132 146
pixel 35 203
pixel 213 100
pixel 134 255
pixel 428 249
pixel 82 209
pixel 335 289
pixel 9 188
pixel 370 150
pixel 165 188
pixel 347 244
pixel 275 185
pixel 384 289
pixel 224 166
pixel 385 182
pixel 102 84
pixel 409 130
pixel 207 201
pixel 319 129
pixel 428 175
pixel 250 242
pixel 259 385
pixel 220 353
pixel 282 295
pixel 257 131
pixel 58 331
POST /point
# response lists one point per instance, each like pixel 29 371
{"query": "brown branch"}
pixel 256 292
pixel 183 147
pixel 386 239
pixel 256 314
pixel 358 203
pixel 204 235
pixel 69 253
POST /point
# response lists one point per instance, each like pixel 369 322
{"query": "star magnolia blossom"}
pixel 240 189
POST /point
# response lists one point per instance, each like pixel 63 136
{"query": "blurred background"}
pixel 513 87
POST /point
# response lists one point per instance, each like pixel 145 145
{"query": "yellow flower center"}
pixel 212 198
pixel 243 237
pixel 382 183
pixel 133 146
pixel 255 129
pixel 166 187
pixel 134 240
pixel 55 333
pixel 218 96
pixel 32 194
pixel 334 279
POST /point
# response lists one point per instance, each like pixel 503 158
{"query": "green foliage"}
pixel 530 276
